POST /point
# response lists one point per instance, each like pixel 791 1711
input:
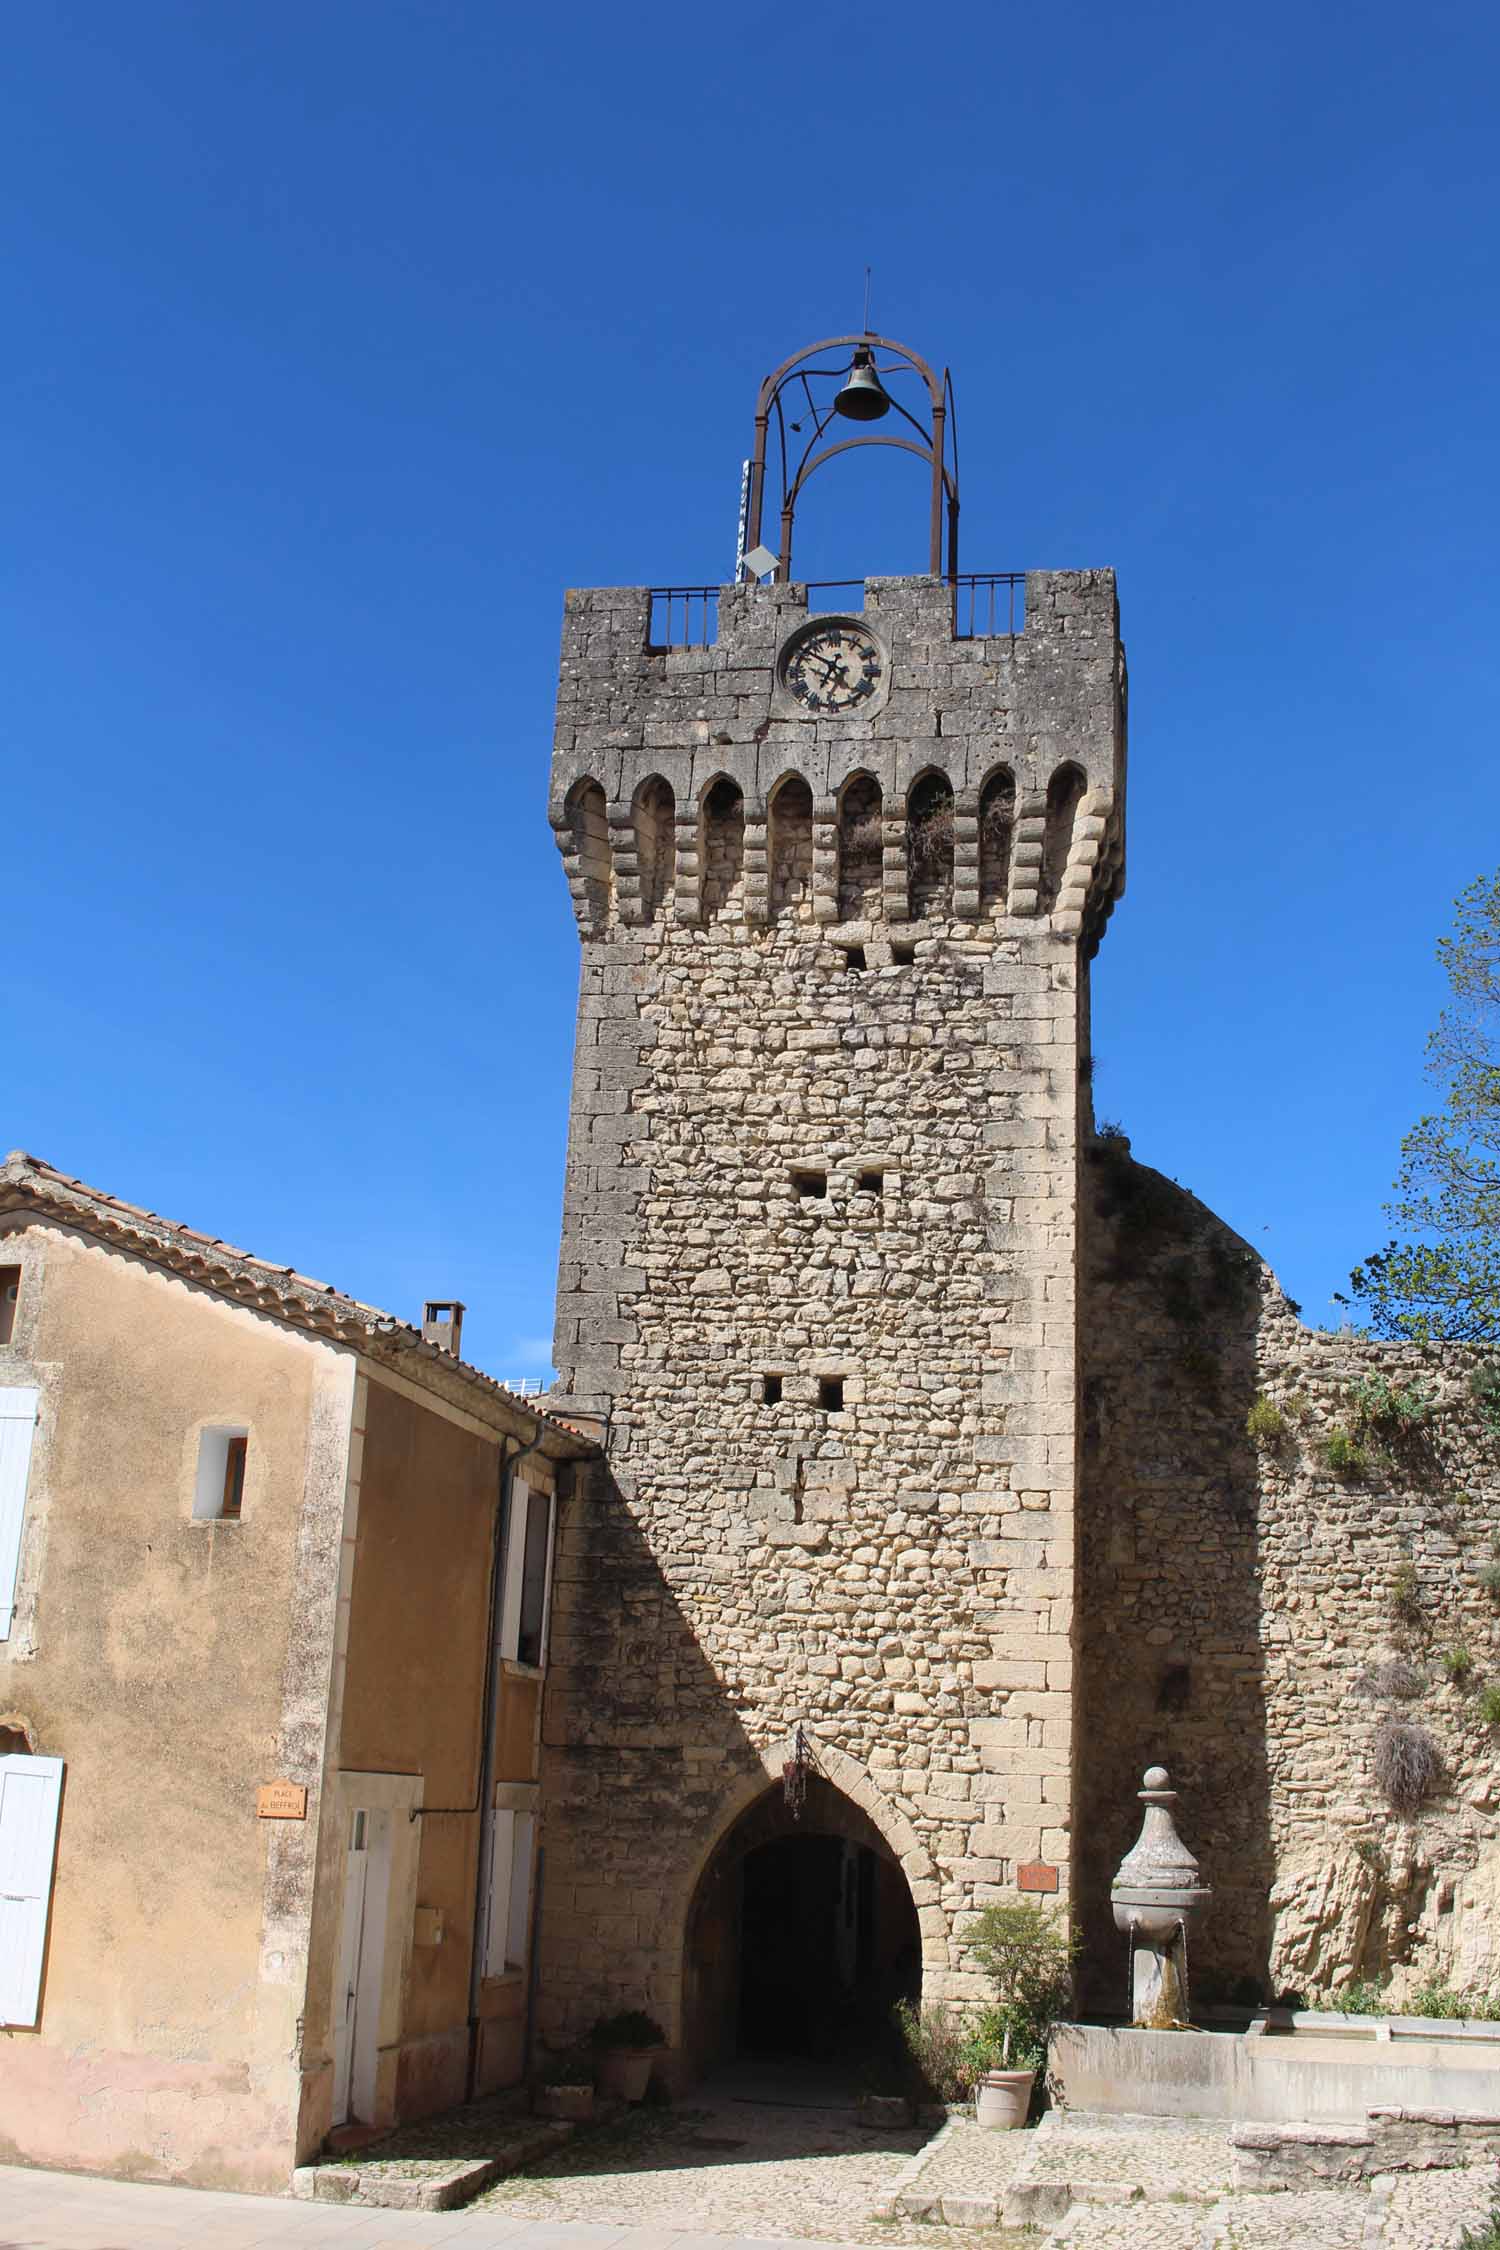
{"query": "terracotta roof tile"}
pixel 28 1182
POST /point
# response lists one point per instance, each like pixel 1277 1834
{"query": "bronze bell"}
pixel 864 397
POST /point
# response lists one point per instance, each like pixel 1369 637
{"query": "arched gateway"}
pixel 801 1935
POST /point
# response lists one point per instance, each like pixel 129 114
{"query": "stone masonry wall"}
pixel 784 1166
pixel 1239 1599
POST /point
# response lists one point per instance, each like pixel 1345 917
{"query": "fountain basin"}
pixel 1288 2065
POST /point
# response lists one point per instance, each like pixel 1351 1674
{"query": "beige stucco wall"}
pixel 407 1696
pixel 172 1666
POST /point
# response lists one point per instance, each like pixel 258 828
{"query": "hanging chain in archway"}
pixel 794 1775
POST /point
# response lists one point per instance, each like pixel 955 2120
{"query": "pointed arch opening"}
pixel 997 827
pixel 589 828
pixel 1064 791
pixel 929 845
pixel 723 847
pixel 861 848
pixel 801 1937
pixel 792 849
pixel 654 814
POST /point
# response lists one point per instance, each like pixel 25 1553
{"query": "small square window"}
pixel 854 957
pixel 831 1393
pixel 219 1491
pixel 770 1390
pixel 10 1293
pixel 903 956
pixel 871 1183
pixel 810 1183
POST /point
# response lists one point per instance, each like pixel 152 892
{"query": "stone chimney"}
pixel 443 1325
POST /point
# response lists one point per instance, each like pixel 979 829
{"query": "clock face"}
pixel 833 667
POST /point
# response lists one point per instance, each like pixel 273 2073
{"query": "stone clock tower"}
pixel 839 860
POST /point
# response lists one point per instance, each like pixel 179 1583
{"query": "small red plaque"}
pixel 1036 1875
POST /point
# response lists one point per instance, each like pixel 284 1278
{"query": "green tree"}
pixel 1442 1283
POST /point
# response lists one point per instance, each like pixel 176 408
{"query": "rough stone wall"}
pixel 895 1571
pixel 1237 1596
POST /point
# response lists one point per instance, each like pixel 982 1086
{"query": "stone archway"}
pixel 801 1934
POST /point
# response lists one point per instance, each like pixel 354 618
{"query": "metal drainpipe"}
pixel 509 1466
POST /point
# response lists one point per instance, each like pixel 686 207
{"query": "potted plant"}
pixel 625 2045
pixel 1028 1956
pixel 566 2087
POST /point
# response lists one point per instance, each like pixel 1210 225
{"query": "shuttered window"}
pixel 502 1849
pixel 510 1892
pixel 30 1792
pixel 17 1422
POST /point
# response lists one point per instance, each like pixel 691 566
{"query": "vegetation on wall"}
pixel 1406 1765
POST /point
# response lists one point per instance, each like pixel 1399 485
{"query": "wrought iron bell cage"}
pixel 935 440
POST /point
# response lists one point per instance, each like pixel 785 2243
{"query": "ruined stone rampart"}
pixel 1264 1606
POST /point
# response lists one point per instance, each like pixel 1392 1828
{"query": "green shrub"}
pixel 1343 1455
pixel 1484 1390
pixel 1375 1403
pixel 1488 2237
pixel 1458 1664
pixel 1027 1954
pixel 940 2046
pixel 1367 1997
pixel 1489 1577
pixel 1265 1424
pixel 630 2028
pixel 1442 2000
pixel 1489 1704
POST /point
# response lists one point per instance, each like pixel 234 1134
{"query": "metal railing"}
pixel 683 617
pixel 524 1386
pixel 987 603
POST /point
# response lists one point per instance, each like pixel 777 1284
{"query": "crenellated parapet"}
pixel 979 781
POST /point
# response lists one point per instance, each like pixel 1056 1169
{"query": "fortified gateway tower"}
pixel 838 876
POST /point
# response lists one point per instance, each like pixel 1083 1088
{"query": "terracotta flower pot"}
pixel 573 2102
pixel 625 2072
pixel 1003 2099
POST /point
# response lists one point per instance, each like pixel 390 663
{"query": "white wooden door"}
pixel 371 1974
pixel 351 1936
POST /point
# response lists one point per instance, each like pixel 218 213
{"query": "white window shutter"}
pixel 520 1890
pixel 502 1847
pixel 30 1792
pixel 17 1421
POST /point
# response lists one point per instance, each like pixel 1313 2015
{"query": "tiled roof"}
pixel 26 1183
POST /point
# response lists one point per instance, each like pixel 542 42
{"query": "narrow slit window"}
pixel 871 1183
pixel 770 1390
pixel 10 1295
pixel 903 956
pixel 810 1183
pixel 219 1490
pixel 831 1393
pixel 234 1476
pixel 854 957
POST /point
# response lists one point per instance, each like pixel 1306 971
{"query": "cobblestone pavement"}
pixel 1432 2210
pixel 1163 2184
pixel 728 2166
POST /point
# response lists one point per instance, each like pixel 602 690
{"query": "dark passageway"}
pixel 801 1938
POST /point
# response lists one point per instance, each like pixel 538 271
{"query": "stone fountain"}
pixel 1155 1895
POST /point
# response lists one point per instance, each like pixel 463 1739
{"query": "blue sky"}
pixel 343 337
